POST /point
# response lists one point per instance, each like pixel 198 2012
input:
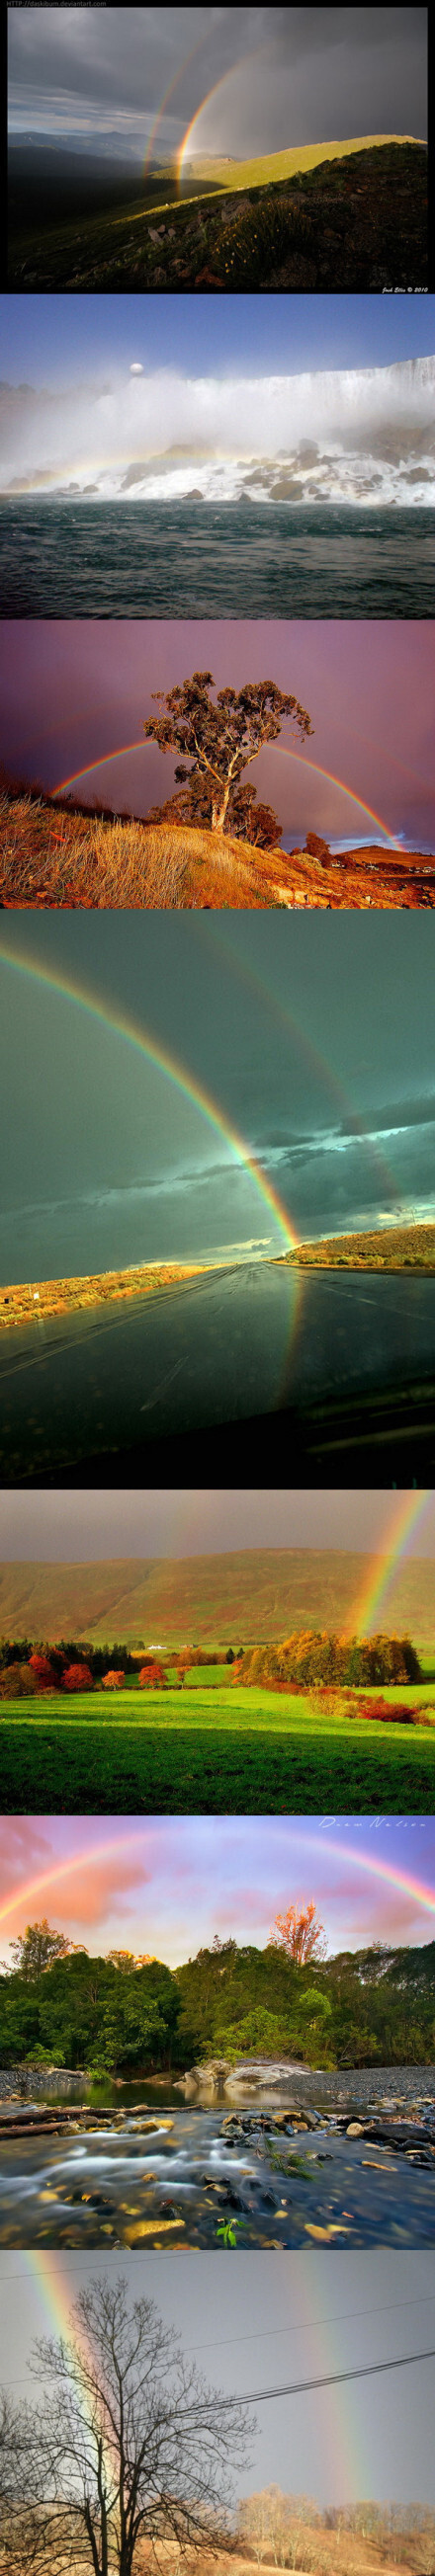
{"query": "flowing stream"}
pixel 279 2173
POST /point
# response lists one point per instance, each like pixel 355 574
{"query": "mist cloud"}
pixel 145 434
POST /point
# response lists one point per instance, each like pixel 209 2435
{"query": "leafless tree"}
pixel 127 2444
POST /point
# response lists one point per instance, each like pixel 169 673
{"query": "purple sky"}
pixel 165 1885
pixel 73 693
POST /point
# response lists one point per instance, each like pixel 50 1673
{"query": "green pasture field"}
pixel 203 1752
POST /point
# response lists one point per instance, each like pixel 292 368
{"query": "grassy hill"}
pixel 60 856
pixel 53 855
pixel 401 1247
pixel 349 215
pixel 229 1599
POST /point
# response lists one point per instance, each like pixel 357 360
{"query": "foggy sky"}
pixel 70 693
pixel 79 1526
pixel 267 2320
pixel 313 1036
pixel 99 77
pixel 166 1885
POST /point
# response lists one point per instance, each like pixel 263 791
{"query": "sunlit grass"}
pixel 213 1750
pixel 50 857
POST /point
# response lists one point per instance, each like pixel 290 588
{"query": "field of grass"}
pixel 353 213
pixel 212 1752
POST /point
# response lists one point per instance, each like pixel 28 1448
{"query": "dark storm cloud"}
pixel 402 1114
pixel 107 71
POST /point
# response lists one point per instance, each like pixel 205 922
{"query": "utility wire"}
pixel 331 2379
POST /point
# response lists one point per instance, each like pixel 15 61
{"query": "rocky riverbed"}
pixel 358 2173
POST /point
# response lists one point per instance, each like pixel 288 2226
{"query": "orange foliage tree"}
pixel 45 1677
pixel 113 1681
pixel 154 1676
pixel 78 1677
pixel 301 1935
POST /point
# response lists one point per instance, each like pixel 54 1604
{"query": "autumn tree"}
pixel 78 1677
pixel 153 1677
pixel 127 2444
pixel 221 737
pixel 43 1671
pixel 300 1934
pixel 113 1681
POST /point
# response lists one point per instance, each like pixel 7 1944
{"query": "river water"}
pixel 167 2177
pixel 63 558
pixel 240 1342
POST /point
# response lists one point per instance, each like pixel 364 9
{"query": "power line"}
pixel 330 2379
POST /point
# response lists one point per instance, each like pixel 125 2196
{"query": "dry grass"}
pixel 51 855
pixel 61 857
pixel 401 1247
pixel 26 1304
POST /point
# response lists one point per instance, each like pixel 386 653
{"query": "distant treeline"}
pixel 27 1668
pixel 60 2006
pixel 309 1658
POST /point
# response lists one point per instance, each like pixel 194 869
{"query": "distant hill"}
pixel 231 1599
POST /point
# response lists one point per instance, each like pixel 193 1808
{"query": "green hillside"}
pixel 233 1599
pixel 284 165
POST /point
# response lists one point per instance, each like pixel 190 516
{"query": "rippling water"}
pixel 184 559
pixel 178 2183
pixel 223 1348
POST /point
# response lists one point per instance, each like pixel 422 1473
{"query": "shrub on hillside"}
pixel 258 240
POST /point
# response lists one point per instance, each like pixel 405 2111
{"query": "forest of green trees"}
pixel 59 2005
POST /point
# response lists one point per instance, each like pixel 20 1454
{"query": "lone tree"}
pixel 222 737
pixel 127 2445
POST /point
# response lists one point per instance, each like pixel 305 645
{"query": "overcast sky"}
pixel 313 1039
pixel 254 80
pixel 77 1526
pixel 166 1885
pixel 266 2321
pixel 72 693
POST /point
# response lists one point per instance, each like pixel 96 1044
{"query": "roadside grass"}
pixel 193 1753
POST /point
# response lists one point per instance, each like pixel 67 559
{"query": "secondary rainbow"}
pixel 125 1027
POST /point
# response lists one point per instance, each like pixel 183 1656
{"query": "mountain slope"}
pixel 228 1599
